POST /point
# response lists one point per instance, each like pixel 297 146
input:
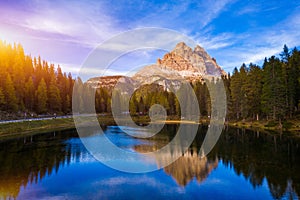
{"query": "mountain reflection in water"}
pixel 258 157
pixel 191 166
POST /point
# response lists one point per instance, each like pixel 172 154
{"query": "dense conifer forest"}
pixel 32 85
pixel 270 91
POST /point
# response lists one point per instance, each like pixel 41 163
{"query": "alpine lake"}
pixel 244 164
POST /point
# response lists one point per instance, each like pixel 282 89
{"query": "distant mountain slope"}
pixel 181 63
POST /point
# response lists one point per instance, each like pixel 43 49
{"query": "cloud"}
pixel 256 44
pixel 247 10
pixel 59 31
pixel 211 42
pixel 212 9
pixel 69 22
pixel 65 32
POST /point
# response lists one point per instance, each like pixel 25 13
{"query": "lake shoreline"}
pixel 17 129
pixel 264 125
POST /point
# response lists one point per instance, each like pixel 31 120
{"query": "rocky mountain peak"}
pixel 182 62
pixel 182 48
pixel 201 52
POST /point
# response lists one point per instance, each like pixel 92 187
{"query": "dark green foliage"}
pixel 54 98
pixel 41 97
pixel 10 95
pixel 271 91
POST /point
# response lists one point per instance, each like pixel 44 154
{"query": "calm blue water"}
pixel 243 165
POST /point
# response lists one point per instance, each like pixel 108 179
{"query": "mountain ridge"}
pixel 182 63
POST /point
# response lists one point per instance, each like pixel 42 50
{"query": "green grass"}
pixel 292 126
pixel 17 129
pixel 32 127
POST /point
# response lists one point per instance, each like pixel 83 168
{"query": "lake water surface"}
pixel 243 165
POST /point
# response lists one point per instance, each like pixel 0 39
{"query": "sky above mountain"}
pixel 232 31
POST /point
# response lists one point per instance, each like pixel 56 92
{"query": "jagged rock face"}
pixel 104 81
pixel 182 63
pixel 184 169
pixel 190 166
pixel 124 83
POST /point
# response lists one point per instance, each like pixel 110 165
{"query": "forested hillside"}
pixel 271 91
pixel 31 85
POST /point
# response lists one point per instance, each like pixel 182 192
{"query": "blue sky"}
pixel 232 31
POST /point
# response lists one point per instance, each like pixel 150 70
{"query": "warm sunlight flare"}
pixel 193 99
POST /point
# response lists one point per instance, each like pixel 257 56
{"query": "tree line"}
pixel 140 102
pixel 32 85
pixel 271 91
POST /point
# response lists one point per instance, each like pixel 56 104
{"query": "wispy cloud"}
pixel 211 42
pixel 233 31
pixel 260 44
pixel 61 32
pixel 248 10
pixel 69 22
pixel 212 9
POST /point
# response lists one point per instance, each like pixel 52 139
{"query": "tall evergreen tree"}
pixel 41 97
pixel 2 98
pixel 253 90
pixel 10 95
pixel 133 104
pixel 273 92
pixel 245 107
pixel 54 99
pixel 291 80
pixel 29 91
pixel 235 88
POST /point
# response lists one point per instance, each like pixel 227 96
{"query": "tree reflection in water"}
pixel 256 156
pixel 259 156
pixel 28 160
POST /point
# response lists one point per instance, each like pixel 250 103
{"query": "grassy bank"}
pixel 16 129
pixel 33 127
pixel 290 125
pixel 10 130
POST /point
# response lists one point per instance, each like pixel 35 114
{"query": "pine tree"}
pixel 2 98
pixel 295 72
pixel 77 104
pixel 67 108
pixel 133 105
pixel 54 99
pixel 291 80
pixel 41 97
pixel 29 91
pixel 226 81
pixel 18 75
pixel 245 107
pixel 116 102
pixel 10 95
pixel 253 89
pixel 235 88
pixel 273 91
